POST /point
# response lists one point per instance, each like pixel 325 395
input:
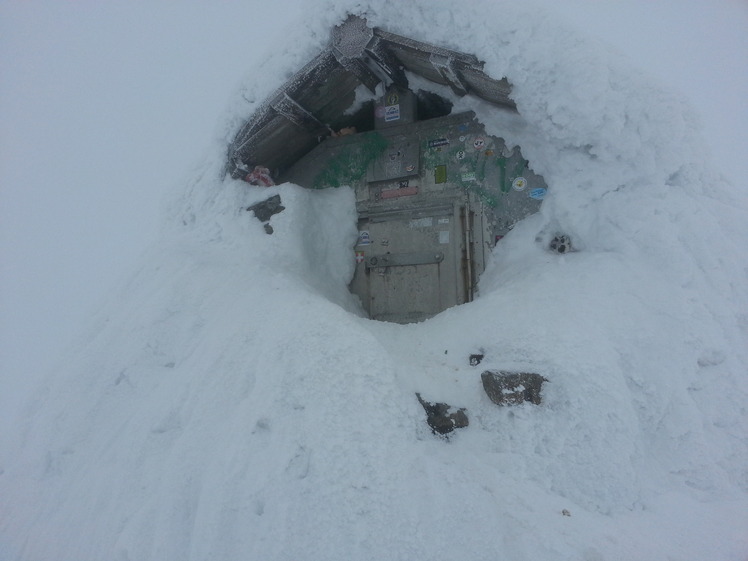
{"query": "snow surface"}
pixel 231 402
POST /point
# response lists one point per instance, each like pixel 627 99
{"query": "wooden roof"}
pixel 294 119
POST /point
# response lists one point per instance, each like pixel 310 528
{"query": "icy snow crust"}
pixel 231 402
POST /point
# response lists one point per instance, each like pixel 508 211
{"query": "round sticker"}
pixel 461 155
pixel 462 138
pixel 519 184
pixel 478 143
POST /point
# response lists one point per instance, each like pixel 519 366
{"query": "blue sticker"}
pixel 538 194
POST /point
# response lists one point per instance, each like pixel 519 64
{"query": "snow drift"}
pixel 231 402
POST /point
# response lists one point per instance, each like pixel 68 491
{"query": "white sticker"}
pixel 444 237
pixel 422 222
pixel 364 238
pixel 392 113
pixel 444 221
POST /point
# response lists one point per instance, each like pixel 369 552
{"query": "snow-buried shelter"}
pixel 434 192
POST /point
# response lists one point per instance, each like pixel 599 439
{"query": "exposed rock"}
pixel 512 388
pixel 475 359
pixel 561 243
pixel 443 418
pixel 267 208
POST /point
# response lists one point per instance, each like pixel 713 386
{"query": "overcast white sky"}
pixel 105 106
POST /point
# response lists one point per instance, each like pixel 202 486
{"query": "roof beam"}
pixel 419 46
pixel 291 110
pixel 359 69
pixel 384 59
pixel 349 42
pixel 444 65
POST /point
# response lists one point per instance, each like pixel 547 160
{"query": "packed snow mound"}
pixel 231 402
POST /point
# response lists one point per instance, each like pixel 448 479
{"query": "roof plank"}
pixel 299 114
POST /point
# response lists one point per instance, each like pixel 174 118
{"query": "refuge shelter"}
pixel 434 191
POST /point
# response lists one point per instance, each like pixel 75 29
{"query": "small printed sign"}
pixel 444 237
pixel 392 113
pixel 364 238
pixel 519 184
pixel 443 221
pixel 393 99
pixel 438 142
pixel 468 176
pixel 360 256
pixel 538 194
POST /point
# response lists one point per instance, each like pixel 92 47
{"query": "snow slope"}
pixel 230 402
